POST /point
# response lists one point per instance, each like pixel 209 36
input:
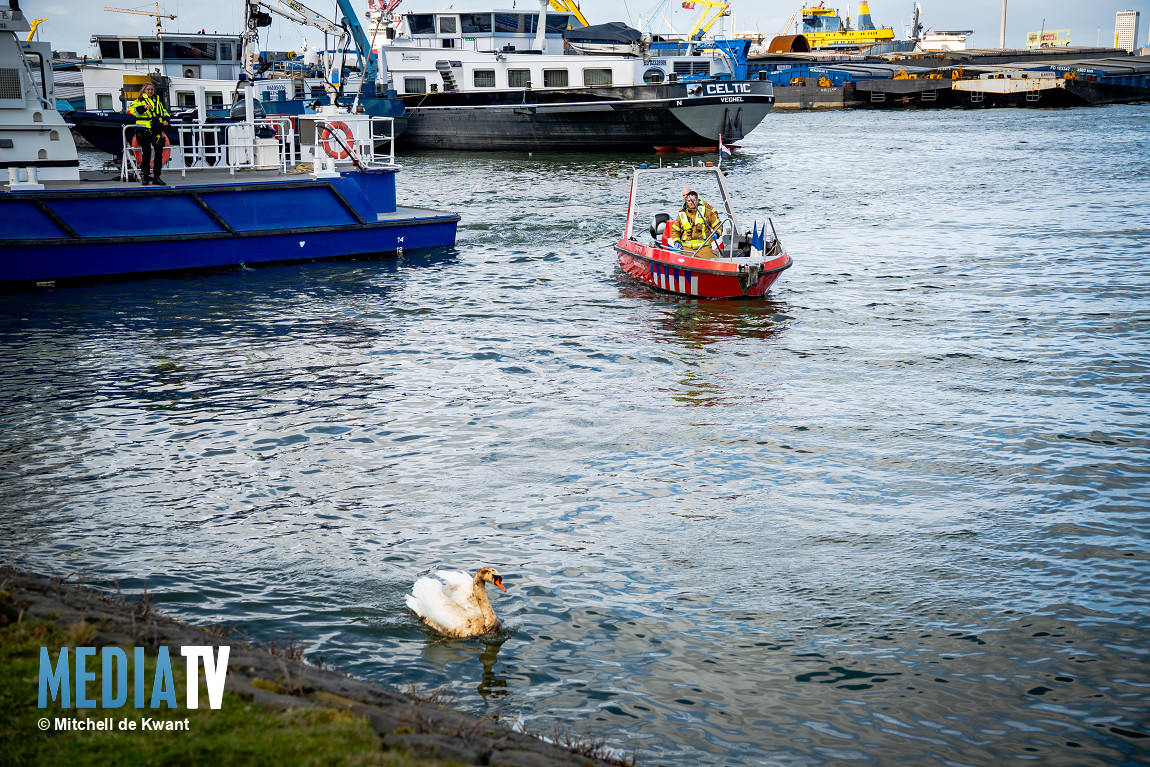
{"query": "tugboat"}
pixel 748 263
pixel 59 224
pixel 824 29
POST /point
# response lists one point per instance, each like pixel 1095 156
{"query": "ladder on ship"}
pixel 444 69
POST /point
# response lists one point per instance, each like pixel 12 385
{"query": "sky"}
pixel 71 23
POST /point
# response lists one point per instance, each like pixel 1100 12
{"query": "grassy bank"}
pixel 238 733
pixel 276 709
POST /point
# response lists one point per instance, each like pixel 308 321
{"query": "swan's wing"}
pixel 438 602
pixel 458 586
pixel 424 594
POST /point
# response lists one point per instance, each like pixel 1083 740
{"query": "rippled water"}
pixel 896 513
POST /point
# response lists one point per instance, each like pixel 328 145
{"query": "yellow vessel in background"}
pixel 823 28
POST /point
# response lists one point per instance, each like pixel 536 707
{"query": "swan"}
pixel 455 604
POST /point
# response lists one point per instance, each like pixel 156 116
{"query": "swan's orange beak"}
pixel 499 583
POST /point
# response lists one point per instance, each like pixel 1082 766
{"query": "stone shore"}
pixel 279 679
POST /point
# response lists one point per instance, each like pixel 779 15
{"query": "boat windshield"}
pixel 660 193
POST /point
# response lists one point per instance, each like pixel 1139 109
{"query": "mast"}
pixel 1002 28
pixel 541 29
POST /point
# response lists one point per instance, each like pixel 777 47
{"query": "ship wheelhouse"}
pixel 211 57
pixel 494 50
pixel 503 31
pixel 176 56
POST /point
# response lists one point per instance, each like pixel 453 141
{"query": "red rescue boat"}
pixel 749 261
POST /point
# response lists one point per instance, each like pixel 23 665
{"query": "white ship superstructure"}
pixel 455 50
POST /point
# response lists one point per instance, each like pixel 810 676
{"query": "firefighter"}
pixel 696 225
pixel 151 120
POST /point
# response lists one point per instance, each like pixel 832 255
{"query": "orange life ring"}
pixel 138 153
pixel 325 139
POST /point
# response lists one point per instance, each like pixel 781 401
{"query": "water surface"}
pixel 895 513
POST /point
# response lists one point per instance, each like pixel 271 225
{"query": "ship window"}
pixel 554 78
pixel 215 99
pixel 151 50
pixel 109 49
pixel 485 78
pixel 447 25
pixel 596 76
pixel 415 85
pixel 421 23
pixel 103 101
pixel 518 78
pixel 185 99
pixel 652 76
pixel 520 23
pixel 225 51
pixel 131 49
pixel 189 50
pixel 475 22
pixel 556 24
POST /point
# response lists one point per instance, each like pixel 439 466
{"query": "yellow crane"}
pixel 700 29
pixel 32 31
pixel 156 13
pixel 570 7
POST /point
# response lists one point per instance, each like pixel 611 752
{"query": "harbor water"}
pixel 896 513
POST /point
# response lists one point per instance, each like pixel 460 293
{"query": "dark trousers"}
pixel 152 149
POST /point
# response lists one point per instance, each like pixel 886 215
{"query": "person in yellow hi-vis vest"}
pixel 696 225
pixel 151 119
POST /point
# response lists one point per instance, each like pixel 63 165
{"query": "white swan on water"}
pixel 456 604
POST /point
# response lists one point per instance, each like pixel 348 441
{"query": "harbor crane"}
pixel 572 7
pixel 702 26
pixel 32 31
pixel 156 13
pixel 301 14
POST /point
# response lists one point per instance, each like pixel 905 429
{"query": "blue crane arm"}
pixel 362 44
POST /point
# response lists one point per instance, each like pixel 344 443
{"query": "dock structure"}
pixel 963 79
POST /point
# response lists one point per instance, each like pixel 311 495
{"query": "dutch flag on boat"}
pixel 724 152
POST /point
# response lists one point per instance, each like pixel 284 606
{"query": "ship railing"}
pixel 345 141
pixel 268 143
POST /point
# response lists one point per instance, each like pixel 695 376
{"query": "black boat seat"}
pixel 659 224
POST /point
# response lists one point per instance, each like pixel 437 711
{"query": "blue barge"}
pixel 241 194
pixel 89 230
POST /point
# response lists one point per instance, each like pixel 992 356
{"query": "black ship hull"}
pixel 623 118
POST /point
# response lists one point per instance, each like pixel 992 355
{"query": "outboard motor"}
pixel 239 109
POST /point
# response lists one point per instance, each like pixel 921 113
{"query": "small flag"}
pixel 758 237
pixel 724 153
